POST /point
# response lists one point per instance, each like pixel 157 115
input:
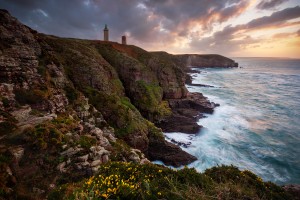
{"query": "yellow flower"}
pixel 160 171
pixel 159 193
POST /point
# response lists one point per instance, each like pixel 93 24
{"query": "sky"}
pixel 233 28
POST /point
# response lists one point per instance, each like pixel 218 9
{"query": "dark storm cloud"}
pixel 228 39
pixel 269 4
pixel 176 13
pixel 144 20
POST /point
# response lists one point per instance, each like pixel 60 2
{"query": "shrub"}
pixel 86 142
pixel 121 180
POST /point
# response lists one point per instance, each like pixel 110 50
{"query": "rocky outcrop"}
pixel 186 113
pixel 174 155
pixel 293 190
pixel 206 60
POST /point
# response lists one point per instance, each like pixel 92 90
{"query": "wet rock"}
pixel 168 153
pixel 185 114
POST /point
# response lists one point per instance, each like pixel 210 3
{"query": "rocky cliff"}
pixel 199 60
pixel 69 105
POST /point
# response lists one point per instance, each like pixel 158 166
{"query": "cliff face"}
pixel 69 105
pixel 209 60
pixel 199 60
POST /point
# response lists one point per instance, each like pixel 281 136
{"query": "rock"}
pixel 134 155
pixel 97 132
pixel 105 158
pixel 69 134
pixel 8 171
pixel 294 190
pixel 61 167
pixel 108 131
pixel 17 152
pixel 185 114
pixel 96 163
pixel 95 169
pixel 104 142
pixel 22 114
pixel 169 153
pixel 97 152
pixel 111 138
pixel 84 165
pixel 144 161
pixel 33 120
pixel 83 158
pixel 71 151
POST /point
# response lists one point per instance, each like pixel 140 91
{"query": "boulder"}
pixel 169 153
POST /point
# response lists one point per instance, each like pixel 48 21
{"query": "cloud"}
pixel 269 4
pixel 276 18
pixel 232 39
pixel 143 20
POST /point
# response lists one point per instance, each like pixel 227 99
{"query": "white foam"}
pixel 219 142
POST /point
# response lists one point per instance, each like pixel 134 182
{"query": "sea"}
pixel 257 125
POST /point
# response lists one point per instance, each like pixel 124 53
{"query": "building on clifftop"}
pixel 106 36
pixel 124 40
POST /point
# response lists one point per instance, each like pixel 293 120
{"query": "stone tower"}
pixel 106 36
pixel 124 40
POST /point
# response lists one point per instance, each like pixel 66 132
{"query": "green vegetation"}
pixel 140 82
pixel 121 180
pixel 119 112
pixel 150 101
pixel 50 134
pixel 86 141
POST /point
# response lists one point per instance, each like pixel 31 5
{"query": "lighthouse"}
pixel 124 40
pixel 106 36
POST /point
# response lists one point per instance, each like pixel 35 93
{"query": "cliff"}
pixel 199 60
pixel 68 107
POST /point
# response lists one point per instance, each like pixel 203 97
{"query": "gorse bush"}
pixel 122 180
